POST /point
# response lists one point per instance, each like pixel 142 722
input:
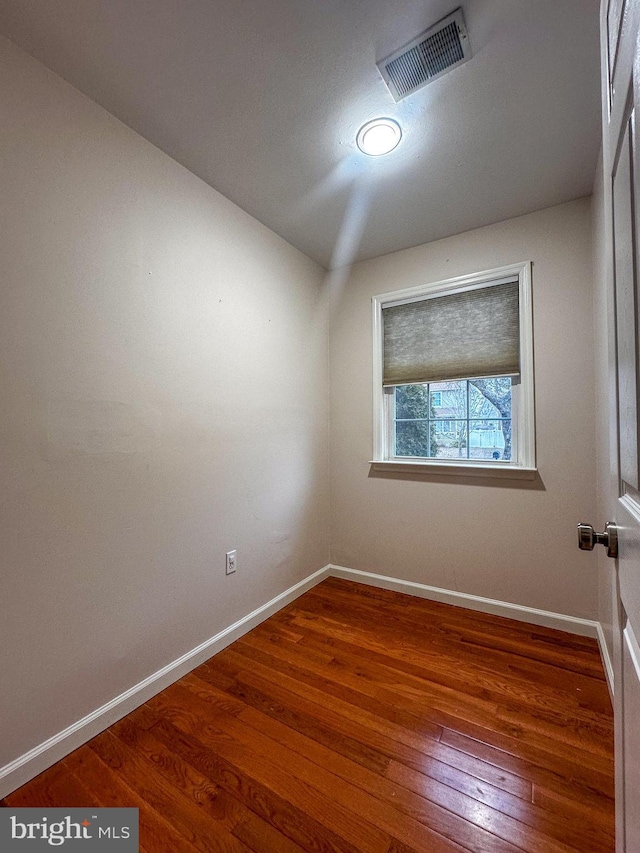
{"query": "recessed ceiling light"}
pixel 379 136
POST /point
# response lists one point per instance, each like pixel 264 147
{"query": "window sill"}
pixel 456 469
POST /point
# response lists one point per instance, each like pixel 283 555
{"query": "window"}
pixel 474 422
pixel 453 383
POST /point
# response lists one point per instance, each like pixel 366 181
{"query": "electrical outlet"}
pixel 231 562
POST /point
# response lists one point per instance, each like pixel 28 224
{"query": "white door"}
pixel 620 21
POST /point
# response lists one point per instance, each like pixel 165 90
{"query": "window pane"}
pixel 490 439
pixel 412 401
pixel 432 421
pixel 444 426
pixel 453 399
pixel 490 398
pixel 412 438
pixel 448 443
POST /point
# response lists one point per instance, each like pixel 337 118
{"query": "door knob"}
pixel 588 538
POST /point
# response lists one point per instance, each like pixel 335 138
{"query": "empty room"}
pixel 320 426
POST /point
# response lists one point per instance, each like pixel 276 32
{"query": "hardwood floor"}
pixel 358 719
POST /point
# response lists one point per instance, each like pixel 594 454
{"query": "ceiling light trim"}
pixel 379 136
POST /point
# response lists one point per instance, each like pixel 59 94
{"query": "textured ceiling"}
pixel 262 100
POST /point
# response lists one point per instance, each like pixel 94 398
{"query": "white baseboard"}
pixel 546 618
pixel 26 766
pixel 606 660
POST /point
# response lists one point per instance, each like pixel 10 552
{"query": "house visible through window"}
pixel 466 419
pixel 453 365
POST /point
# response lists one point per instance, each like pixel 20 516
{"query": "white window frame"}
pixel 523 462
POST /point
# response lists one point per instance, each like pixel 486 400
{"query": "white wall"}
pixel 605 380
pixel 507 540
pixel 163 374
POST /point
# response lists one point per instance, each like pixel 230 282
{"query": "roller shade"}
pixel 464 335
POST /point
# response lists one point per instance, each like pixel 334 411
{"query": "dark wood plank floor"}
pixel 358 719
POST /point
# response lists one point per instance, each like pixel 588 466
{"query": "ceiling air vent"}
pixel 433 53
